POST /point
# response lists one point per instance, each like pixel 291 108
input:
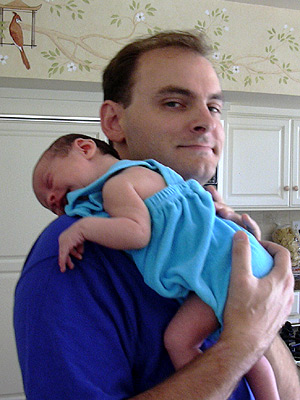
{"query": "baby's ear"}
pixel 87 147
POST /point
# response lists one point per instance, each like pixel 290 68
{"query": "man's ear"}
pixel 110 115
pixel 87 147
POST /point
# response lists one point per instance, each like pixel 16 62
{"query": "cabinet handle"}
pixel 286 188
pixel 295 188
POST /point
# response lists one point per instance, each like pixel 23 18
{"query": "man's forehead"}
pixel 157 75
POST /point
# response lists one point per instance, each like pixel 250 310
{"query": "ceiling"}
pixel 292 4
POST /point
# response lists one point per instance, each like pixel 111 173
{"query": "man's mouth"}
pixel 201 147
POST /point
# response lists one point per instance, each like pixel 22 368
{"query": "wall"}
pixel 269 220
pixel 255 48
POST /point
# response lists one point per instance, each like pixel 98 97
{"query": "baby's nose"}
pixel 52 202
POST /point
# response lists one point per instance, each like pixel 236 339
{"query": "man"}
pixel 97 331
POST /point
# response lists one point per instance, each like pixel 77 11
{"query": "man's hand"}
pixel 70 244
pixel 226 212
pixel 257 308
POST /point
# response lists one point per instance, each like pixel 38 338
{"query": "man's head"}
pixel 163 100
pixel 118 76
pixel 71 162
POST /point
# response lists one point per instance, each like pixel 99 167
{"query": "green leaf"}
pixel 61 69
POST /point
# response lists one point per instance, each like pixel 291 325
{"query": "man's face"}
pixel 174 115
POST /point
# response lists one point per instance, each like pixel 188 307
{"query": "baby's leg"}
pixel 262 381
pixel 194 321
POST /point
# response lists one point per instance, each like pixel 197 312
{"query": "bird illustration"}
pixel 16 33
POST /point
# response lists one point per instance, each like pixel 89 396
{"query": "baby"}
pixel 167 225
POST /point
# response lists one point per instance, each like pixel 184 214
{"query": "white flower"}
pixel 3 59
pixel 207 12
pixel 224 10
pixel 292 29
pixel 235 69
pixel 140 17
pixel 71 67
pixel 226 28
pixel 216 56
pixel 285 26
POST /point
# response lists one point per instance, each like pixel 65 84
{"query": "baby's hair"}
pixel 63 145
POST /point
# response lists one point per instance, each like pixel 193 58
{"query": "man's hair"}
pixel 118 76
pixel 63 145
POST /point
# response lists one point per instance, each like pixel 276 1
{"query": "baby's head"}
pixel 71 162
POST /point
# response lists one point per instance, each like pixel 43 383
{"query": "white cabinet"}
pixel 294 316
pixel 261 164
pixel 22 140
pixel 295 165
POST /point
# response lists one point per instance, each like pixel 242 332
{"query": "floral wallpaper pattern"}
pixel 255 48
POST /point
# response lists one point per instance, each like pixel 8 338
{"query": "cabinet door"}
pixel 256 162
pixel 295 181
pixel 22 218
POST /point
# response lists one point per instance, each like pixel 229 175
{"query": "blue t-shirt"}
pixel 92 333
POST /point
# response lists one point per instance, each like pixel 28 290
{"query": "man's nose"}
pixel 203 121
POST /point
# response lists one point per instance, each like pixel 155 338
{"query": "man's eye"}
pixel 173 104
pixel 215 109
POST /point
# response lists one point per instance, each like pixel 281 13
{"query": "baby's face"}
pixel 55 177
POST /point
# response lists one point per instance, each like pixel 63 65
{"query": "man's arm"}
pixel 252 318
pixel 285 370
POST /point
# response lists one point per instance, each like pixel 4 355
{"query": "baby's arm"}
pixel 129 226
pixel 193 322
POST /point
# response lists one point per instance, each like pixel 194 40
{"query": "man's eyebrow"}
pixel 175 90
pixel 187 93
pixel 217 96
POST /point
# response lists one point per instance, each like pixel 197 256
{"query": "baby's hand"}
pixel 70 244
